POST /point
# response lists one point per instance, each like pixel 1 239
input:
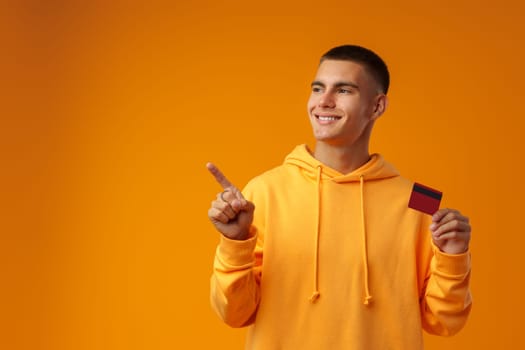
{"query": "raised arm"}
pixel 447 301
pixel 235 283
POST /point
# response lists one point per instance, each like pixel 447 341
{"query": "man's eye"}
pixel 345 91
pixel 316 89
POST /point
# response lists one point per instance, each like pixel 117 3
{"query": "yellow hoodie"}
pixel 338 262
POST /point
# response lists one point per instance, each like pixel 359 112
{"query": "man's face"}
pixel 343 103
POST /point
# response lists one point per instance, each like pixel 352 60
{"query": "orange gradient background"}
pixel 110 113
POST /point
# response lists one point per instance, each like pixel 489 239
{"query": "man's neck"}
pixel 341 158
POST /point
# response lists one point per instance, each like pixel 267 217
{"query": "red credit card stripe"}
pixel 427 191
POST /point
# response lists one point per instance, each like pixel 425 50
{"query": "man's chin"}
pixel 327 140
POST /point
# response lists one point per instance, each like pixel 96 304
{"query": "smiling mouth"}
pixel 325 118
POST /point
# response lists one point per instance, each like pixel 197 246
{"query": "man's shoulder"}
pixel 399 180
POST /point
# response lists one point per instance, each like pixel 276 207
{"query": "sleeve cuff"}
pixel 451 264
pixel 237 253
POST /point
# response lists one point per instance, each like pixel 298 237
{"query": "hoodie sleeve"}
pixel 236 278
pixel 446 299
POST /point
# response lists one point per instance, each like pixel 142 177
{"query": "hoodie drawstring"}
pixel 368 297
pixel 316 294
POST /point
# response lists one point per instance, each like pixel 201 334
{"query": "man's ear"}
pixel 381 102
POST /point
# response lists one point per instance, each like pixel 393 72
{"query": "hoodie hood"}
pixel 375 169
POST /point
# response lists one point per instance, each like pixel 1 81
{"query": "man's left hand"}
pixel 450 231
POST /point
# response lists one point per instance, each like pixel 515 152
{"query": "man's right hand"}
pixel 231 214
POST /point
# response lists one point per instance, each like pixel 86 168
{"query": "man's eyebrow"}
pixel 336 85
pixel 346 83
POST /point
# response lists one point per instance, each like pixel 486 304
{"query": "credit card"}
pixel 425 199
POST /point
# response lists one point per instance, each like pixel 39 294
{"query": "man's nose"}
pixel 327 100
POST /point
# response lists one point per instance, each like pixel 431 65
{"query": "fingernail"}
pixel 433 226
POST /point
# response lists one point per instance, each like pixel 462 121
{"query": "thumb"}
pixel 238 195
pixel 242 205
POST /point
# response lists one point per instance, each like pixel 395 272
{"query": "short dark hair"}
pixel 358 54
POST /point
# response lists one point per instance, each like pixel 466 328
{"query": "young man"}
pixel 323 252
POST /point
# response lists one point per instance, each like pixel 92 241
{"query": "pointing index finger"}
pixel 219 176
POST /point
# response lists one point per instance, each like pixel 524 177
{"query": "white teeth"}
pixel 327 118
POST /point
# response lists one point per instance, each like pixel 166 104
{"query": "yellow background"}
pixel 110 112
